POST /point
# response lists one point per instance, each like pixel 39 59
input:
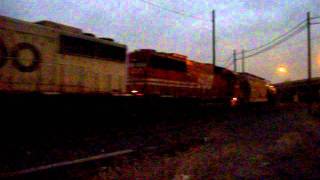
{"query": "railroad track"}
pixel 58 169
pixel 65 164
pixel 70 169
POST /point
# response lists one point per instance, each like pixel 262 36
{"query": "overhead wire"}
pixel 226 64
pixel 277 38
pixel 226 60
pixel 273 43
pixel 181 13
pixel 298 31
pixel 316 17
pixel 229 64
pixel 260 49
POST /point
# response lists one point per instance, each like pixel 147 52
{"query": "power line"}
pixel 278 38
pixel 229 64
pixel 273 43
pixel 278 43
pixel 227 60
pixel 178 13
pixel 263 48
pixel 175 11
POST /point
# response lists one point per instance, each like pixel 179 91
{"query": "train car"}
pixel 254 89
pixel 49 57
pixel 173 75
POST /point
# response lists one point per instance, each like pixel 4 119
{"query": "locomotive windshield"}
pixel 83 47
pixel 167 63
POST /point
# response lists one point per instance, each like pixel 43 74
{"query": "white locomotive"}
pixel 48 57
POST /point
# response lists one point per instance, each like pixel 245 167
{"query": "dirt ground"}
pixel 271 145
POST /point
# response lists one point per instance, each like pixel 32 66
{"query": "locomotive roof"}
pixel 58 26
pixel 185 58
pixel 251 75
pixel 49 29
pixel 172 56
pixel 164 54
pixel 219 69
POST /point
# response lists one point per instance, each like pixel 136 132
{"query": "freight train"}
pixel 51 58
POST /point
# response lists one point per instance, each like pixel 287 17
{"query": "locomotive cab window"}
pixel 83 47
pixel 167 64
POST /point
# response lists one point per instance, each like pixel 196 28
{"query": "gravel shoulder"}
pixel 271 145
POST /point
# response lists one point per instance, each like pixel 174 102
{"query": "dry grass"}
pixel 294 153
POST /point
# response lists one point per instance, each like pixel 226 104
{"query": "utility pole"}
pixel 310 93
pixel 235 60
pixel 213 39
pixel 309 46
pixel 243 68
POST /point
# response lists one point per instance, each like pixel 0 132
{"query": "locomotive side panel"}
pixel 161 74
pixel 203 76
pixel 91 65
pixel 224 85
pixel 38 60
pixel 27 43
pixel 92 76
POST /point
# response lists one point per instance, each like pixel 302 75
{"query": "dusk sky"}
pixel 240 25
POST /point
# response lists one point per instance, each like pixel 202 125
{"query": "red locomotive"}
pixel 152 73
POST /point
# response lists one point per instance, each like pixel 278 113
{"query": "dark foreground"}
pixel 282 144
pixel 186 141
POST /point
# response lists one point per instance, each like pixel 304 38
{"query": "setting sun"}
pixel 282 70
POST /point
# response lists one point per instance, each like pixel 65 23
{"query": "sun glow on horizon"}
pixel 282 70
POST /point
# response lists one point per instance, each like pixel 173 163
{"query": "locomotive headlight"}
pixel 134 91
pixel 234 101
